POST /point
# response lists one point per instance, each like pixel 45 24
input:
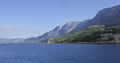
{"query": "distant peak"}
pixel 116 6
pixel 57 28
pixel 73 22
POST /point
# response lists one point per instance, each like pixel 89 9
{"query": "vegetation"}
pixel 89 35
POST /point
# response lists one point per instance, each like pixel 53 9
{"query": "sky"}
pixel 31 18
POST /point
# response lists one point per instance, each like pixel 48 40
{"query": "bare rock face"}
pixel 58 31
pixel 107 17
pixel 68 27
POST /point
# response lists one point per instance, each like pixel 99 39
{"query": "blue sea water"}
pixel 59 53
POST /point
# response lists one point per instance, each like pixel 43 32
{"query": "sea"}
pixel 59 53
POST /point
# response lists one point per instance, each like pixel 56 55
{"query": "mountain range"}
pixel 107 17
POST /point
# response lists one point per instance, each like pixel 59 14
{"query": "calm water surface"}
pixel 59 53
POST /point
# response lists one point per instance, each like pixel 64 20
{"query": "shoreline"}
pixel 86 43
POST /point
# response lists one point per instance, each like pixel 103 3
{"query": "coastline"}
pixel 106 42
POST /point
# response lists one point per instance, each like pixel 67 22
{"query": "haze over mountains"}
pixel 108 17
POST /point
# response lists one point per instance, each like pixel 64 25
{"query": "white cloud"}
pixel 6 28
pixel 14 32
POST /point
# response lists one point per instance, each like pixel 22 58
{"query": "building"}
pixel 106 36
pixel 116 37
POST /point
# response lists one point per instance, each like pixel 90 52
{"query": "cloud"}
pixel 6 28
pixel 15 32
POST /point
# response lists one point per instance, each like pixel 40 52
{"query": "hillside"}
pixel 92 34
pixel 108 17
pixel 56 32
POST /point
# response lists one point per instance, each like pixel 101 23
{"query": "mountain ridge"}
pixel 107 17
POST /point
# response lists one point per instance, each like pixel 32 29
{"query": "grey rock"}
pixel 107 17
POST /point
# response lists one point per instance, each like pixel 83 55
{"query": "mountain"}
pixel 93 34
pixel 32 40
pixel 79 35
pixel 56 32
pixel 108 17
pixel 59 31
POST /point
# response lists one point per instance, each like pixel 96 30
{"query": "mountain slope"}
pixel 108 17
pixel 59 31
pixel 77 35
pixel 92 34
